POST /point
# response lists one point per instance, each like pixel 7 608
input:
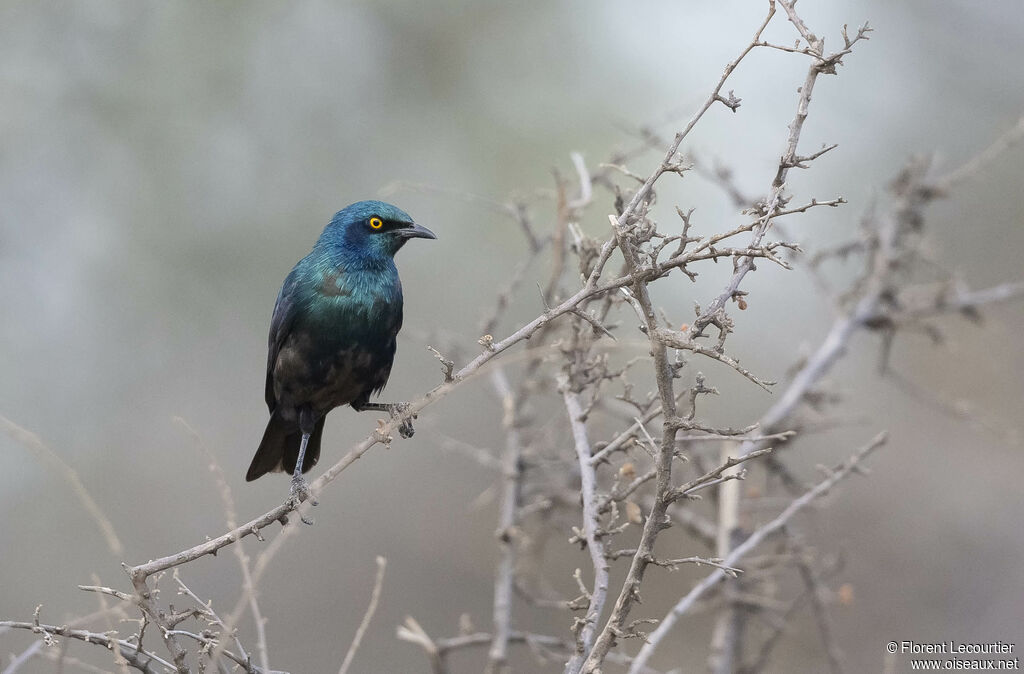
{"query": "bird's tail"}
pixel 279 449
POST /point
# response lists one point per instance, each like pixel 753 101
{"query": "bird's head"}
pixel 372 229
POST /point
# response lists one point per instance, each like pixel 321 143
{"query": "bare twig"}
pixel 32 441
pixel 821 615
pixel 231 519
pixel 755 539
pixel 213 618
pixel 512 471
pixel 714 476
pixel 378 583
pixel 144 661
pixel 595 546
pixel 974 165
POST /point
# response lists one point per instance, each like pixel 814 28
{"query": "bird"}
pixel 332 335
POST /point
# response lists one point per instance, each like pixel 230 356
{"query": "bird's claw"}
pixel 300 489
pixel 405 428
pixel 299 493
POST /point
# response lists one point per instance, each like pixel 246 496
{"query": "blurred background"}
pixel 163 165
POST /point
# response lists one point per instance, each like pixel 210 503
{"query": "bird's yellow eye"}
pixel 376 223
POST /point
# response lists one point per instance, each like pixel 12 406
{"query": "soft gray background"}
pixel 162 166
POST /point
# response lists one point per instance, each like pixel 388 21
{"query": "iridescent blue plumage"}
pixel 332 336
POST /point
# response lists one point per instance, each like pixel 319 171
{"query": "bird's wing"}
pixel 280 325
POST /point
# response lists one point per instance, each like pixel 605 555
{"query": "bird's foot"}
pixel 299 493
pixel 405 429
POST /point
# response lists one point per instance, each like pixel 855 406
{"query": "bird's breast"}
pixel 356 310
pixel 342 344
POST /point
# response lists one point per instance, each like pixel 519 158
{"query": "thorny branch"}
pixel 737 555
pixel 512 472
pixel 630 480
pixel 586 627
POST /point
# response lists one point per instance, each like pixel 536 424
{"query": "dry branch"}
pixel 755 539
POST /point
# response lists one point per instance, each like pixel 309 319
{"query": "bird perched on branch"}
pixel 332 337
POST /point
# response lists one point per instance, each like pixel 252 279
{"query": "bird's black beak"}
pixel 415 232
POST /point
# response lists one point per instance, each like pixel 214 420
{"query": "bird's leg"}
pixel 300 488
pixel 405 429
pixel 299 484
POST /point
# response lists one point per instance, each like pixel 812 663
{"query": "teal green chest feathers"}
pixel 361 302
pixel 333 286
